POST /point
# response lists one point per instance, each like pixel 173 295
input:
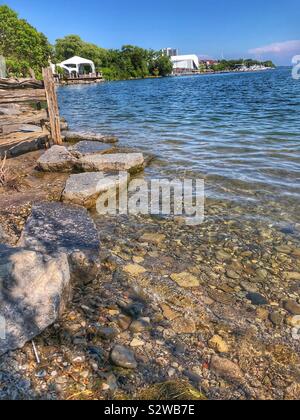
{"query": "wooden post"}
pixel 52 105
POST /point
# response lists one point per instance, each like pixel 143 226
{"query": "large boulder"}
pixel 73 136
pixel 131 162
pixel 55 228
pixel 57 159
pixel 84 189
pixel 34 291
pixel 84 148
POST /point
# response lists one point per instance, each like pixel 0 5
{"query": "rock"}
pixel 292 307
pixel 257 299
pixel 73 136
pixel 140 325
pixel 124 322
pixel 223 256
pixel 276 318
pixel 107 333
pixel 217 343
pixel 57 159
pixel 169 313
pixel 135 310
pixel 55 228
pixel 85 189
pixel 34 291
pixel 293 276
pixel 84 148
pixel 226 369
pixel 136 342
pixel 184 326
pixel 134 270
pixel 232 275
pixel 248 287
pixel 155 238
pixel 186 280
pixel 131 162
pixel 123 357
pixel 262 314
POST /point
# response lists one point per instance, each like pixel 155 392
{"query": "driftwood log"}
pixel 21 84
pixel 21 95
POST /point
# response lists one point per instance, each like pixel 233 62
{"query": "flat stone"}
pixel 257 299
pixel 57 159
pixel 232 275
pixel 130 162
pixel 226 369
pixel 184 325
pixel 155 238
pixel 276 318
pixel 85 189
pixel 292 307
pixel 217 343
pixel 107 333
pixel 55 228
pixel 293 276
pixel 84 148
pixel 168 312
pixel 140 325
pixel 186 280
pixel 134 270
pixel 73 136
pixel 123 357
pixel 34 291
pixel 136 342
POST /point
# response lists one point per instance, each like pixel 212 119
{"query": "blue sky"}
pixel 233 28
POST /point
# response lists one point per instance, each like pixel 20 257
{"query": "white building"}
pixel 169 52
pixel 77 66
pixel 185 63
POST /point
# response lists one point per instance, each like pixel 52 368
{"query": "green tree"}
pixel 22 45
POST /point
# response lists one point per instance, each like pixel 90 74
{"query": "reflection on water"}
pixel 241 132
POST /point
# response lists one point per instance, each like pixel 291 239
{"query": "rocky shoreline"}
pixel 205 313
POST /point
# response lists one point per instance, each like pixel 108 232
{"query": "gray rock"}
pixel 276 318
pixel 84 148
pixel 292 307
pixel 140 325
pixel 226 369
pixel 257 299
pixel 107 333
pixel 57 159
pixel 55 228
pixel 131 162
pixel 123 357
pixel 84 189
pixel 73 136
pixel 34 291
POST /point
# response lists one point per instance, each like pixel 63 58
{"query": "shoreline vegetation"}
pixel 27 51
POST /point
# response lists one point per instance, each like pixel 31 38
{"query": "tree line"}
pixel 26 49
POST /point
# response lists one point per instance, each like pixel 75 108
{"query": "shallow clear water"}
pixel 241 132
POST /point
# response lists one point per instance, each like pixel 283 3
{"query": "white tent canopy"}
pixel 77 65
pixel 190 62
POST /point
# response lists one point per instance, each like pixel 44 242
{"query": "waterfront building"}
pixel 185 63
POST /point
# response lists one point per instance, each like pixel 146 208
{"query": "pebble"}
pixel 136 342
pixel 232 275
pixel 226 369
pixel 134 270
pixel 123 357
pixel 155 238
pixel 140 325
pixel 292 307
pixel 293 276
pixel 185 280
pixel 276 318
pixel 184 325
pixel 107 333
pixel 217 343
pixel 257 299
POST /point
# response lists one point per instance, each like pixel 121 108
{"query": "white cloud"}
pixel 277 48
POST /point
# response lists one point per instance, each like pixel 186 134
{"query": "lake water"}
pixel 240 132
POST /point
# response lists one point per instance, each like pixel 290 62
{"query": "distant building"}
pixel 185 63
pixel 170 52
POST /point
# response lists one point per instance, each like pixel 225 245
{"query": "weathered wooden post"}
pixel 52 105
